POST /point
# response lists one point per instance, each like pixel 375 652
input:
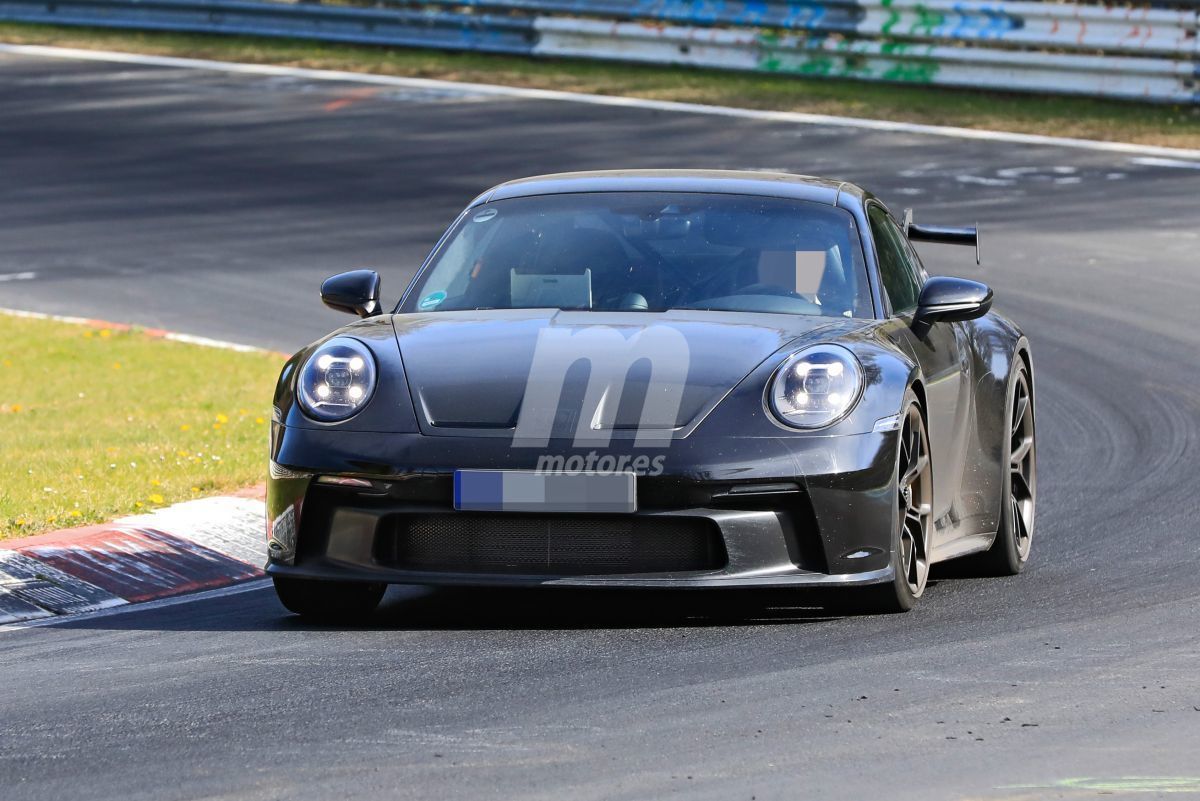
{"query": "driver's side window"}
pixel 898 275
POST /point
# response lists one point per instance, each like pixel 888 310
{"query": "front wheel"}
pixel 914 513
pixel 328 600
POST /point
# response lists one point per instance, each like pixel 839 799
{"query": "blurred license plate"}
pixel 527 491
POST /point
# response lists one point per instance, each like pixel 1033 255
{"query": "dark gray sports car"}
pixel 657 379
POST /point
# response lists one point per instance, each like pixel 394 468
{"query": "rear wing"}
pixel 941 234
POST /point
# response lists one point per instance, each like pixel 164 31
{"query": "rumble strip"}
pixel 197 545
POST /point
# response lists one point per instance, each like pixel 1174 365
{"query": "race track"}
pixel 215 203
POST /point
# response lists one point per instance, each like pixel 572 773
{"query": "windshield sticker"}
pixel 432 301
pixel 485 215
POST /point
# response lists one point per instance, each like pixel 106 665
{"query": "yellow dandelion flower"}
pixel 16 407
pixel 116 365
pixel 154 482
pixel 105 333
pixel 21 522
pixel 138 504
pixel 76 513
pixel 185 427
pixel 195 489
pixel 216 426
pixel 221 418
pixel 259 420
pixel 51 518
pixel 88 334
pixel 156 498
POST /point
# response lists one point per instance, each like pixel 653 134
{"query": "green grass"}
pixel 97 423
pixel 1177 126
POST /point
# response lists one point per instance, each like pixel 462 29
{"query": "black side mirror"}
pixel 355 292
pixel 948 300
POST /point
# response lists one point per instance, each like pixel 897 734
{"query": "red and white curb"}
pixel 157 333
pixel 196 545
pixel 193 546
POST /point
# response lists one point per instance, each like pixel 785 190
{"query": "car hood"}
pixel 508 372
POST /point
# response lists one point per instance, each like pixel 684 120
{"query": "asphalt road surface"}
pixel 214 204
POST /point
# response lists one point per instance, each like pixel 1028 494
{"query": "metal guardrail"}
pixel 1066 26
pixel 396 27
pixel 1054 47
pixel 874 59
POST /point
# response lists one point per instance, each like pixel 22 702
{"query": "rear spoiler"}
pixel 941 234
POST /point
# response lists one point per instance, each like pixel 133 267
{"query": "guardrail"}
pixel 1068 48
pixel 1069 26
pixel 396 27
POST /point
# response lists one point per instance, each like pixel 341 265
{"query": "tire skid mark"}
pixel 482 90
pixel 1170 416
pixel 352 97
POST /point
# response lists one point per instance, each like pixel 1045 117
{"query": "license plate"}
pixel 527 491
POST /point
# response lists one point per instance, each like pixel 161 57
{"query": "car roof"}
pixel 726 182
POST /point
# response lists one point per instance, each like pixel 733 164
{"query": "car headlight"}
pixel 337 380
pixel 816 387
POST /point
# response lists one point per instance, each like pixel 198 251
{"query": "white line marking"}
pixel 58 318
pixel 212 343
pixel 600 100
pixel 17 276
pixel 205 595
pixel 1156 162
pixel 982 181
pixel 174 337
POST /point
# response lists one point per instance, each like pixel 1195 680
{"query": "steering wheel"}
pixel 776 291
pixel 769 289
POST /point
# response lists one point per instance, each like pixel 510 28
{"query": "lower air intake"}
pixel 551 545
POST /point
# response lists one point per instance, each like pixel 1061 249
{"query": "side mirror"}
pixel 355 292
pixel 946 299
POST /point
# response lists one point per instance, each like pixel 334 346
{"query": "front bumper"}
pixel 773 520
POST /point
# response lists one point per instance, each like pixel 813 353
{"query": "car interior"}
pixel 658 258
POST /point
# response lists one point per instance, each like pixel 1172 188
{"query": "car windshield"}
pixel 649 251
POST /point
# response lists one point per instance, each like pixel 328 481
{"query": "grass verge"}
pixel 97 423
pixel 1173 126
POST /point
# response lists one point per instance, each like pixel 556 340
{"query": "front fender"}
pixel 997 344
pixel 887 373
pixel 390 408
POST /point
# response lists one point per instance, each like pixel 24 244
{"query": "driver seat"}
pixel 815 275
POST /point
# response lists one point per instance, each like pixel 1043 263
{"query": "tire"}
pixel 328 600
pixel 910 539
pixel 1018 500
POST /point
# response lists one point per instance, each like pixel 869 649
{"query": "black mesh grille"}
pixel 553 545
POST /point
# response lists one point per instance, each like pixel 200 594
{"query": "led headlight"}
pixel 816 387
pixel 337 380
